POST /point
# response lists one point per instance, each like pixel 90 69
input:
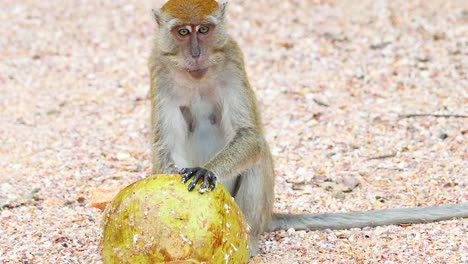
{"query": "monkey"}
pixel 206 126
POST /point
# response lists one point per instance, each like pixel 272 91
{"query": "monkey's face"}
pixel 191 35
pixel 194 41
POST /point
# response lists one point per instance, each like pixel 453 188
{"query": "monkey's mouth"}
pixel 198 73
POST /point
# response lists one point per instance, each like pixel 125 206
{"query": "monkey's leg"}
pixel 253 200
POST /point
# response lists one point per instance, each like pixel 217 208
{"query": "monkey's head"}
pixel 190 34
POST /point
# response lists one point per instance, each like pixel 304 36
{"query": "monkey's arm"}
pixel 161 158
pixel 162 162
pixel 239 154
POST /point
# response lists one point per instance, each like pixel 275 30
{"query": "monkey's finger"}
pixel 213 182
pixel 195 180
pixel 204 184
pixel 185 178
pixel 187 175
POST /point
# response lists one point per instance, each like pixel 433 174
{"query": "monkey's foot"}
pixel 209 179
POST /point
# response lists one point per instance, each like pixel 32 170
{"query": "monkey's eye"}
pixel 203 29
pixel 183 32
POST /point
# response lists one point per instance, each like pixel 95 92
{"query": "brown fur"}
pixel 189 10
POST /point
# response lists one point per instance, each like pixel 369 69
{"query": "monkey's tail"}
pixel 368 219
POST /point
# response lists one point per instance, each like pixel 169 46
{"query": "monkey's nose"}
pixel 196 53
pixel 195 48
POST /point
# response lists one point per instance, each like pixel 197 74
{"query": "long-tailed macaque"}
pixel 205 124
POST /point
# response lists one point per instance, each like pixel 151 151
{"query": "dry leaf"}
pixel 102 196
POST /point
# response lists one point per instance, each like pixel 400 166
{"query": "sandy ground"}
pixel 332 77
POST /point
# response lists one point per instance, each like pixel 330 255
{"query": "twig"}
pixel 383 156
pixel 320 103
pixel 433 115
pixel 388 168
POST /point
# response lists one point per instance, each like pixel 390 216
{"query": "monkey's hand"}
pixel 209 179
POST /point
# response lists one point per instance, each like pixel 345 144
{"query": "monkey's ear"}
pixel 157 15
pixel 222 8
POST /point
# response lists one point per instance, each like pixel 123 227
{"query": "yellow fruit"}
pixel 158 220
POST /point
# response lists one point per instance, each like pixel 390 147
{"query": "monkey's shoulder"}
pixel 234 51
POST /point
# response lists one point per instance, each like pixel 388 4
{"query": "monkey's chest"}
pixel 202 134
